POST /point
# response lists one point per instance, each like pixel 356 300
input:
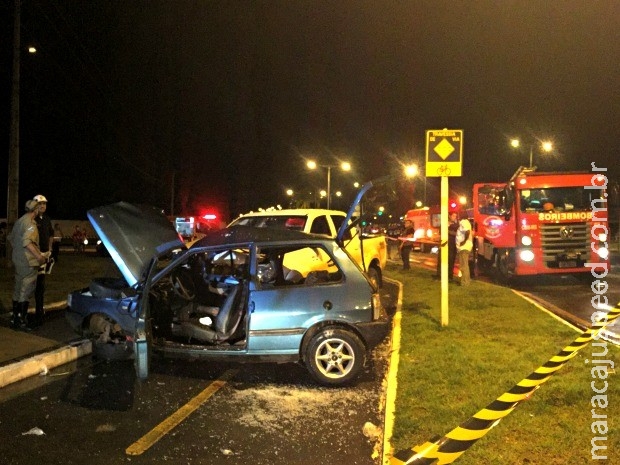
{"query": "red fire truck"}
pixel 542 223
pixel 427 225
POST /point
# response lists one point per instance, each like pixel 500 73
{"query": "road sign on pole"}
pixel 444 158
pixel 444 152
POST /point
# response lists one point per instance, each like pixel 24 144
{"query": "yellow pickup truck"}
pixel 369 252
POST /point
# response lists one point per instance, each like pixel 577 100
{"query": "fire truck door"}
pixel 494 220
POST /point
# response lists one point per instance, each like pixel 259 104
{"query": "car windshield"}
pixel 558 199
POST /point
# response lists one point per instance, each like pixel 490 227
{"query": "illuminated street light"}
pixel 545 146
pixel 344 166
pixel 289 192
pixel 411 170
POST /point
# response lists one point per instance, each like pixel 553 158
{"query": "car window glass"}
pixel 320 226
pixel 338 220
pixel 295 265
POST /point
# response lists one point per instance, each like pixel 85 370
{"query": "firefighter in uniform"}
pixel 27 258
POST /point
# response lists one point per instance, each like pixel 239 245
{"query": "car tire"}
pixel 335 356
pixel 375 277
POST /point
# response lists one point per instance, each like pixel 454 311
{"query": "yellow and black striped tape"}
pixel 447 449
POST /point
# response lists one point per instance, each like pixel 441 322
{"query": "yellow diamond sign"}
pixel 444 149
pixel 444 152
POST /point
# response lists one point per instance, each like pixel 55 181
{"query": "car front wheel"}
pixel 335 356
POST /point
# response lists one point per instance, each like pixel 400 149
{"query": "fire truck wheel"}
pixel 504 266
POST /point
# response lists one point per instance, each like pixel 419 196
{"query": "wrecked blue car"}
pixel 228 297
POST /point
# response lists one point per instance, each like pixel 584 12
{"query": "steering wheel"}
pixel 183 285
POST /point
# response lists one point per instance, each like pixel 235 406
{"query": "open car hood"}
pixel 134 234
pixel 347 224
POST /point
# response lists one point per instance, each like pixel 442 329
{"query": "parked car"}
pixel 227 297
pixel 369 251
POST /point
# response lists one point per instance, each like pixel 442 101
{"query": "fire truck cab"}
pixel 541 223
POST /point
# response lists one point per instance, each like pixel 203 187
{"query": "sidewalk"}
pixel 29 354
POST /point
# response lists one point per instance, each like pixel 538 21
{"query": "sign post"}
pixel 444 158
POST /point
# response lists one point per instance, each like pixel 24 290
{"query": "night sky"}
pixel 224 100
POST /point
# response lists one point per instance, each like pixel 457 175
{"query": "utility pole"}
pixel 12 200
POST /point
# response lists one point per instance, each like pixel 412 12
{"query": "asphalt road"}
pixel 99 413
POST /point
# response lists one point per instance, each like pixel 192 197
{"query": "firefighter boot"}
pixel 23 316
pixel 15 318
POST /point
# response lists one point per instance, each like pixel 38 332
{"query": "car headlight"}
pixel 526 241
pixel 526 255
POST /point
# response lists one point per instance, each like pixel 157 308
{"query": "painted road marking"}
pixel 392 378
pixel 149 439
pixel 450 447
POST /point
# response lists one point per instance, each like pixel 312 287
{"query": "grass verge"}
pixel 495 339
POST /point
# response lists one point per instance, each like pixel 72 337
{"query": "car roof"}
pixel 248 234
pixel 294 212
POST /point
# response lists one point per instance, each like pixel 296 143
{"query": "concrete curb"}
pixel 41 364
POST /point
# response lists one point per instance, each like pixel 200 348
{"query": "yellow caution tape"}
pixel 447 449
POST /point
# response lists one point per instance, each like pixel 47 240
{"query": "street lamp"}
pixel 344 166
pixel 412 171
pixel 12 201
pixel 545 146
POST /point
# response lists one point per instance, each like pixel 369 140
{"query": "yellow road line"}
pixel 150 438
pixel 392 380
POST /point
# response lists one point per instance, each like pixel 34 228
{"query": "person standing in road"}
pixel 406 244
pixel 27 258
pixel 46 239
pixel 464 246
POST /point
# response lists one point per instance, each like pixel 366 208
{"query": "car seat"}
pixel 225 324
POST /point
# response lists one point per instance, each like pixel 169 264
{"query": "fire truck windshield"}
pixel 558 199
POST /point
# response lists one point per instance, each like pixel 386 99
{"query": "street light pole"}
pixel 545 146
pixel 13 181
pixel 329 186
pixel 345 166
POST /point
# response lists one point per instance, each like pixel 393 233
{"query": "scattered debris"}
pixel 371 431
pixel 105 428
pixel 44 370
pixel 35 431
pixel 227 452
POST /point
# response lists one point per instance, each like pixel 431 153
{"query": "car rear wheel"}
pixel 335 356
